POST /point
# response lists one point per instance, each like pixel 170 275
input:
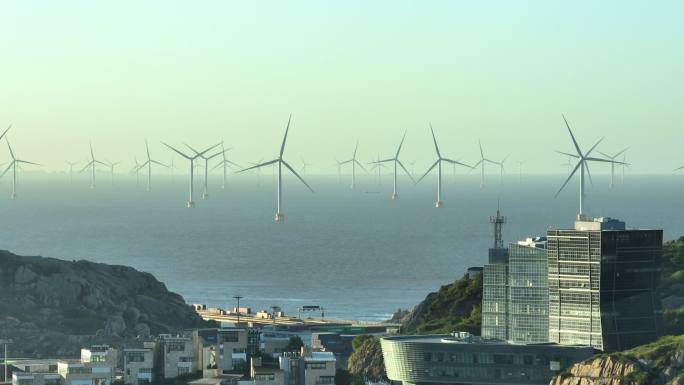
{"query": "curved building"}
pixel 464 359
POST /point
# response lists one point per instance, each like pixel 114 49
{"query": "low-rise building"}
pixel 213 348
pixel 173 356
pixel 138 366
pixel 319 368
pixel 76 372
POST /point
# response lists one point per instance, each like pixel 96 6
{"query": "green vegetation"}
pixel 366 362
pixel 455 307
pixel 294 345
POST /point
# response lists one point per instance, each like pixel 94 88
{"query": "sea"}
pixel 355 252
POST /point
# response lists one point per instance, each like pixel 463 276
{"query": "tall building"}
pixel 602 285
pixel 495 286
pixel 528 292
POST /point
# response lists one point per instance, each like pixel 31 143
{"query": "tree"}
pixel 367 361
pixel 294 345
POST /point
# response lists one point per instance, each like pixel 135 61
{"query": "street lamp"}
pixel 6 342
pixel 238 297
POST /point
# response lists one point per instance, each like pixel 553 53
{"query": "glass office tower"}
pixel 602 285
pixel 528 292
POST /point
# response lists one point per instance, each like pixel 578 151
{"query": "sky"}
pixel 503 72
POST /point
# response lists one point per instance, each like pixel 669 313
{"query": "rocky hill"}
pixel 659 363
pixel 456 306
pixel 52 307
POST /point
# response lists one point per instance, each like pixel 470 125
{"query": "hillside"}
pixel 52 307
pixel 454 307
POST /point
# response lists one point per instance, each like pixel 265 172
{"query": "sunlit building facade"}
pixel 602 285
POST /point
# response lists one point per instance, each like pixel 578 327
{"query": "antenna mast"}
pixel 498 222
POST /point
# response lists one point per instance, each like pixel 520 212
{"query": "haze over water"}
pixel 354 252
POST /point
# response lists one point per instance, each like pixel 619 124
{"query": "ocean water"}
pixel 357 253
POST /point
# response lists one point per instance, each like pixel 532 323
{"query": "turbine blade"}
pixel 603 160
pixel 7 169
pixel 148 150
pixel 577 147
pixel 297 175
pixel 287 128
pixel 360 165
pixel 593 147
pixel 435 141
pixel 620 153
pixel 259 165
pixel 10 148
pixel 586 166
pixel 406 171
pixel 177 151
pixel 159 163
pixel 27 162
pixel 606 155
pixel 4 132
pixel 384 160
pixel 233 163
pixel 456 162
pixel 400 144
pixel 567 154
pixel 678 168
pixel 428 171
pixel 356 149
pixel 481 151
pixel 569 177
pixel 87 166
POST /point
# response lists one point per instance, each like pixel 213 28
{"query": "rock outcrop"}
pixel 51 307
pixel 659 363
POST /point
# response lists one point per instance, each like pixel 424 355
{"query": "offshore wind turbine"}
pixel 501 165
pixel 149 162
pixel 612 165
pixel 111 168
pixel 304 165
pixel 482 162
pixel 205 194
pixel 13 165
pixel 280 162
pixel 92 164
pixel 438 163
pixel 378 166
pixel 225 163
pixel 354 163
pixel 396 162
pixel 71 170
pixel 190 204
pixel 583 159
pixel 136 170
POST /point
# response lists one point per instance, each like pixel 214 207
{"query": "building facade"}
pixel 495 295
pixel 602 285
pixel 173 356
pixel 464 359
pixel 138 366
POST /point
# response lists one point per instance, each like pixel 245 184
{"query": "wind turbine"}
pixel 149 163
pixel 395 160
pixel 92 164
pixel 190 203
pixel 568 164
pixel 136 170
pixel 612 164
pixel 501 165
pixel 13 165
pixel 172 167
pixel 582 164
pixel 482 162
pixel 520 163
pixel 111 168
pixel 280 162
pixel 376 165
pixel 205 194
pixel 71 170
pixel 304 165
pixel 257 170
pixel 438 163
pixel 225 163
pixel 354 162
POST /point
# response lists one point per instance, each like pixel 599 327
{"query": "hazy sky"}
pixel 200 71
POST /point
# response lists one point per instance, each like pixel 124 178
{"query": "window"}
pixel 315 365
pixel 325 380
pixel 229 336
pixel 135 356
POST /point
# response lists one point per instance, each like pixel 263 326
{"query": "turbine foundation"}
pixel 438 204
pixel 279 217
pixel 190 204
pixel 395 196
pixel 205 195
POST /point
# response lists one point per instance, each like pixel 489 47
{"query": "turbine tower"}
pixel 71 170
pixel 225 163
pixel 13 165
pixel 482 162
pixel 280 162
pixel 438 163
pixel 111 169
pixel 149 163
pixel 190 203
pixel 612 165
pixel 395 160
pixel 378 166
pixel 501 165
pixel 136 170
pixel 354 163
pixel 205 194
pixel 583 165
pixel 92 164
